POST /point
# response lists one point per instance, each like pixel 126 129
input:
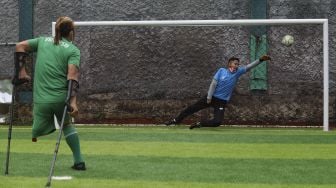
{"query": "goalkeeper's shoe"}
pixel 195 125
pixel 79 166
pixel 170 122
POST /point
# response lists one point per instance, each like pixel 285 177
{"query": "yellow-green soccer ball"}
pixel 287 40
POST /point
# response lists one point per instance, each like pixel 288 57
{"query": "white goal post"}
pixel 247 22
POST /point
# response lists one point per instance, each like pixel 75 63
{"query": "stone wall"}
pixel 303 91
pixel 9 32
pixel 147 74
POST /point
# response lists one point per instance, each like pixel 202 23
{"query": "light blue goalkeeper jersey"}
pixel 226 81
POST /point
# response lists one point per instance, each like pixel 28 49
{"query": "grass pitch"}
pixel 145 157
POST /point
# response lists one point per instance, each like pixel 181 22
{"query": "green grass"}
pixel 177 157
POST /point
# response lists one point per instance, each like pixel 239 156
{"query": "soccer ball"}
pixel 287 40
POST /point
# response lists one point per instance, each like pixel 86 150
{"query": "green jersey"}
pixel 51 68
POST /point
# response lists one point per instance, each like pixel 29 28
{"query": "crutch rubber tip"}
pixel 34 139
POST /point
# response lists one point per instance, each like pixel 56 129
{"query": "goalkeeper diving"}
pixel 219 93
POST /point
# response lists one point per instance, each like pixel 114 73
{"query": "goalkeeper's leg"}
pixel 199 105
pixel 217 119
pixel 219 108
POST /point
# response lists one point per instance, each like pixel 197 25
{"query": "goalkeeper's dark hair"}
pixel 233 59
pixel 64 25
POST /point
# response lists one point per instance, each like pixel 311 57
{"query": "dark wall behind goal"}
pixel 149 74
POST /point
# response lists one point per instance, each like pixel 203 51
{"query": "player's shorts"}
pixel 43 118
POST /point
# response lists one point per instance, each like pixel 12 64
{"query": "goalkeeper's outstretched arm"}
pixel 257 62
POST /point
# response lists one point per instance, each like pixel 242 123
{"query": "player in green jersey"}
pixel 57 62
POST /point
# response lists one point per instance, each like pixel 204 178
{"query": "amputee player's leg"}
pixel 71 137
pixel 43 122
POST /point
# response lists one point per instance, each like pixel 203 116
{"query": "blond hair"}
pixel 64 25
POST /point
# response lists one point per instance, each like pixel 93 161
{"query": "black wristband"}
pixel 74 88
pixel 20 60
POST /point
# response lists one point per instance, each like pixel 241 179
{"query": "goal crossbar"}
pixel 244 22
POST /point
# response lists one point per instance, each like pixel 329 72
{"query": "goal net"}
pixel 148 71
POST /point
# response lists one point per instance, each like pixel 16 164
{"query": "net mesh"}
pixel 148 74
pixel 154 72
